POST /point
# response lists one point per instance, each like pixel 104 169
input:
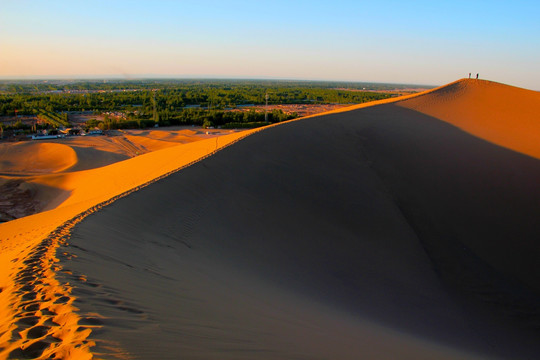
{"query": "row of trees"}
pixel 53 119
pixel 219 96
pixel 146 103
pixel 210 118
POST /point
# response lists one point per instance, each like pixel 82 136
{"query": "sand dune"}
pixel 179 136
pixel 381 233
pixel 152 140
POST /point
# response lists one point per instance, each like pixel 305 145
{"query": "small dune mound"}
pixel 159 139
pixel 178 136
pixel 143 144
pixel 159 135
pixel 502 114
pixel 35 158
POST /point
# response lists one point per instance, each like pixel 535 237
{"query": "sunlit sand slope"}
pixel 502 114
pixel 378 233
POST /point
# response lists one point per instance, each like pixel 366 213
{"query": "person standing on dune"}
pixel 476 76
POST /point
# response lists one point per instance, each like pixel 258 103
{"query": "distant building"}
pixel 93 132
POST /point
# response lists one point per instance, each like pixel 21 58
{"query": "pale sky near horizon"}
pixel 415 42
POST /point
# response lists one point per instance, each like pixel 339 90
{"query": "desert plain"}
pixel 400 229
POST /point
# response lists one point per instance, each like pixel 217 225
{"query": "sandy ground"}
pixel 382 232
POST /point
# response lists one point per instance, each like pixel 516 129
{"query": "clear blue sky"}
pixel 421 42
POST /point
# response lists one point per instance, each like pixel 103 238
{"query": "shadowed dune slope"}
pixel 92 158
pixel 378 233
pixel 499 113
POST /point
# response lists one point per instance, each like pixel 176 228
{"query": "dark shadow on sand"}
pixel 380 214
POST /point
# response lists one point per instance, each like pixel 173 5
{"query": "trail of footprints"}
pixel 45 325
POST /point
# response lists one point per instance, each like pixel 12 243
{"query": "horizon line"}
pixel 187 77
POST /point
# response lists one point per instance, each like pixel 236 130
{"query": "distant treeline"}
pixel 174 102
pixel 209 95
pixel 200 117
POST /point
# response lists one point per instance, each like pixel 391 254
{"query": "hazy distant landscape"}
pixel 46 105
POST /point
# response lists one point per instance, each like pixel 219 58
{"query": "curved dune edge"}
pixel 32 302
pixel 377 102
pixel 35 158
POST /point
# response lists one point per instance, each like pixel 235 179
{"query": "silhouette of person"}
pixel 469 75
pixel 476 76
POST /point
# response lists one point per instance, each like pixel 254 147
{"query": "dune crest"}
pixel 502 114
